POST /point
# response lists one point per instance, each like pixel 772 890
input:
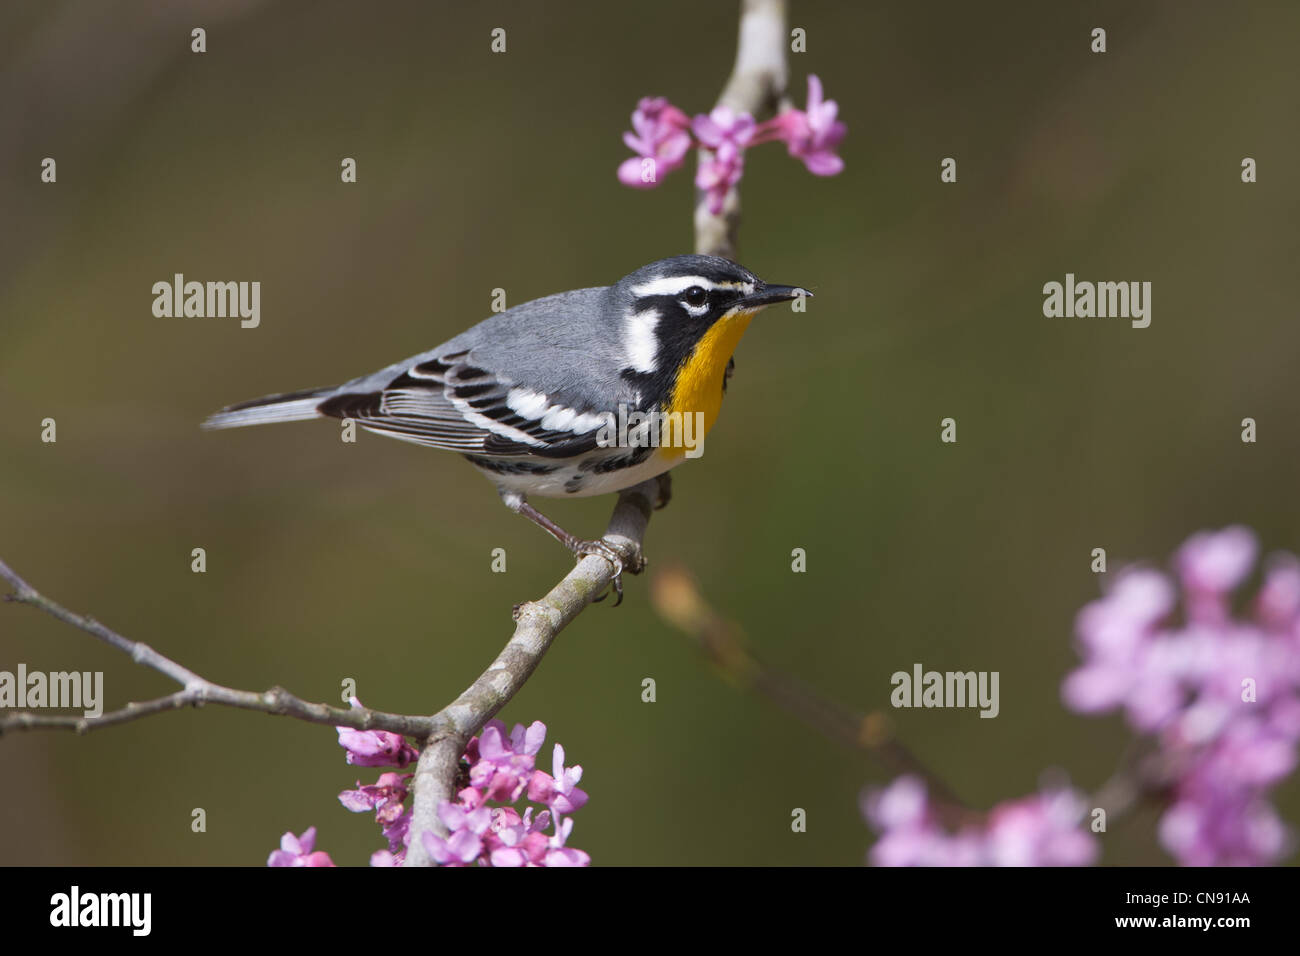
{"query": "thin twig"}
pixel 538 623
pixel 197 690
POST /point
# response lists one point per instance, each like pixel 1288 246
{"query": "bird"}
pixel 581 393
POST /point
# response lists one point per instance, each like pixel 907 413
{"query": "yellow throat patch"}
pixel 699 383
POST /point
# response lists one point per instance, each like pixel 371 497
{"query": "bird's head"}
pixel 667 308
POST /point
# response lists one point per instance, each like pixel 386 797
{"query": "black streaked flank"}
pixel 507 467
pixel 603 466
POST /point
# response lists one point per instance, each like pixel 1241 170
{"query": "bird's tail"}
pixel 286 407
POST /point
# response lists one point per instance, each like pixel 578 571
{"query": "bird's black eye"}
pixel 695 296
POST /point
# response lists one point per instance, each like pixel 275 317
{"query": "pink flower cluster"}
pixel 1040 830
pixel 1217 690
pixel 500 770
pixel 661 136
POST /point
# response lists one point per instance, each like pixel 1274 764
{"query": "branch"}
pixel 196 690
pixel 678 600
pixel 757 86
pixel 537 624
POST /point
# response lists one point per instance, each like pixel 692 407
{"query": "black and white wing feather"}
pixel 445 401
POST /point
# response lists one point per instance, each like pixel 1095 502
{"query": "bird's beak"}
pixel 769 294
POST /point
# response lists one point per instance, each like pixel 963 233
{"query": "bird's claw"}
pixel 607 551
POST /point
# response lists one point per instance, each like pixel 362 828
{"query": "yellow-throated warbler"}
pixel 576 394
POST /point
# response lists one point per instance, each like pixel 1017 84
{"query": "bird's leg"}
pixel 579 546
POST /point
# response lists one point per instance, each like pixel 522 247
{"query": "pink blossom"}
pixel 464 842
pixel 1217 561
pixel 297 851
pixel 1223 827
pixel 385 797
pixel 1040 830
pixel 1278 603
pixel 501 767
pixel 559 792
pixel 726 133
pixel 813 134
pixel 659 134
pixel 560 855
pixel 1219 694
pixel 1043 829
pixel 1211 565
pixel 518 841
pixel 375 748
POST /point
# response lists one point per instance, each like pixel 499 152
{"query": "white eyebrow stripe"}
pixel 642 344
pixel 672 285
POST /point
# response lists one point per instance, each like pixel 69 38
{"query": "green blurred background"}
pixel 477 171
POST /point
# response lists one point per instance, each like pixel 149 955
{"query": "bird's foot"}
pixel 607 551
pixel 580 548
